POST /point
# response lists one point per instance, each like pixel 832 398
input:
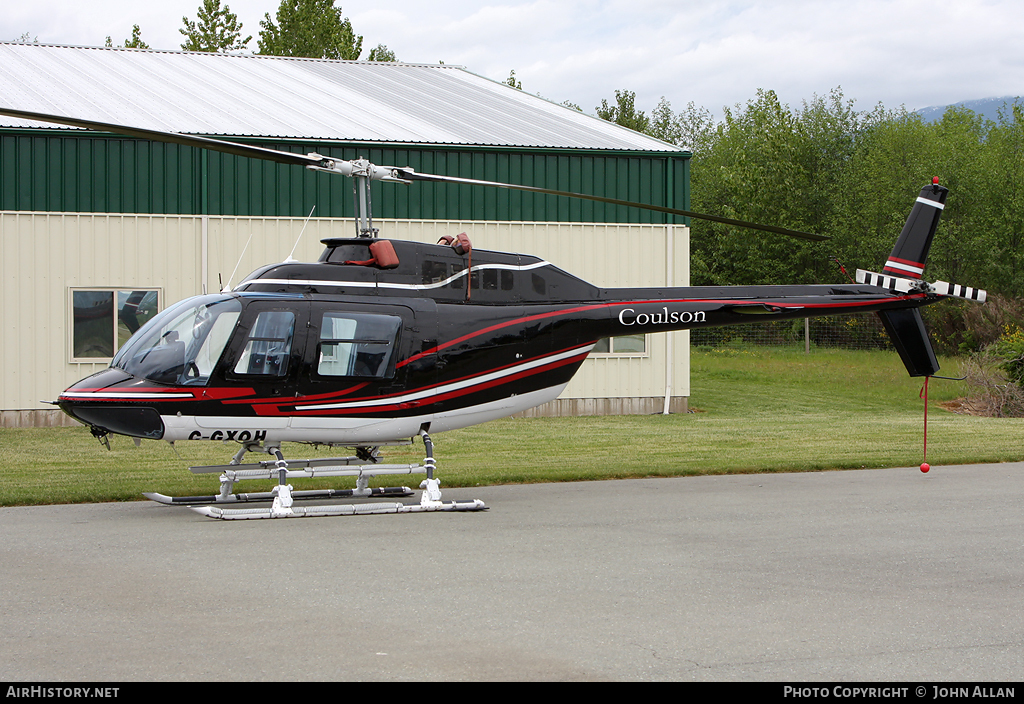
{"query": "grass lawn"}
pixel 757 410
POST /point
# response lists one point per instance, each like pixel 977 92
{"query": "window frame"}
pixel 387 371
pixel 250 346
pixel 611 353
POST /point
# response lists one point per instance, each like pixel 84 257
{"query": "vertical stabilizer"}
pixel 911 250
pixel 906 330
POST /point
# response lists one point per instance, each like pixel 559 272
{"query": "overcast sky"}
pixel 916 53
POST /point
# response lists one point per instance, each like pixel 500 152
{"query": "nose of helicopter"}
pixel 107 403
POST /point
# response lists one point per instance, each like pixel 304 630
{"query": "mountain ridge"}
pixel 986 107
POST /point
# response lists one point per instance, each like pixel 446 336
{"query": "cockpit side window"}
pixel 269 346
pixel 357 344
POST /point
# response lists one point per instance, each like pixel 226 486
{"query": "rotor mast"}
pixel 362 173
pixel 364 208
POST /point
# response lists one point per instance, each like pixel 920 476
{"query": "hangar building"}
pixel 98 231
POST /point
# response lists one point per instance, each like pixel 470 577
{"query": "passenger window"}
pixel 357 344
pixel 269 345
pixel 434 272
pixel 459 282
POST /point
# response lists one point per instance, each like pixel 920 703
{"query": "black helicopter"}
pixel 381 341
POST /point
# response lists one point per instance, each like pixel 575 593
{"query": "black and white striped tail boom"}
pixel 902 285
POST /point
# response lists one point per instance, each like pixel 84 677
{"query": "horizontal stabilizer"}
pixel 903 285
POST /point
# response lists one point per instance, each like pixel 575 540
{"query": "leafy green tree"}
pixel 624 112
pixel 664 124
pixel 217 29
pixel 381 53
pixel 1002 175
pixel 693 128
pixel 310 28
pixel 511 81
pixel 134 43
pixel 753 173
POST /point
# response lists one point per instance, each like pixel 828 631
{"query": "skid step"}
pixel 265 470
pixel 265 464
pixel 269 496
pixel 341 510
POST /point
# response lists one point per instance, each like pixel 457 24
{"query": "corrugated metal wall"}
pixel 62 171
pixel 45 254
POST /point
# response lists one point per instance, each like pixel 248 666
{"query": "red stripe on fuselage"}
pixel 499 326
pixel 263 410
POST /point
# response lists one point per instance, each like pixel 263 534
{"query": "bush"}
pixel 964 327
pixel 995 377
pixel 1010 349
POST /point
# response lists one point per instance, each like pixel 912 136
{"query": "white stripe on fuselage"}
pixel 448 388
pixel 126 395
pixel 381 284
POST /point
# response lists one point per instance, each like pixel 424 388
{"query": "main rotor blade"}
pixel 411 175
pixel 188 140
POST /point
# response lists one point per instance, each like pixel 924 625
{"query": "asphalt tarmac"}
pixel 882 575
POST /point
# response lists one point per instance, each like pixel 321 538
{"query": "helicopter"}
pixel 382 341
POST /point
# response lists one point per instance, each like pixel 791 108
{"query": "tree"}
pixel 1004 173
pixel 511 81
pixel 310 28
pixel 381 53
pixel 134 43
pixel 624 112
pixel 216 29
pixel 694 128
pixel 26 38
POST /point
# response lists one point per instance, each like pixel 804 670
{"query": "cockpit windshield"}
pixel 182 344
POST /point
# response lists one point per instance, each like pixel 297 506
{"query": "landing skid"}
pixel 363 466
pixel 344 510
pixel 269 496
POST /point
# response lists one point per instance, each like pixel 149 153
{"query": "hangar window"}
pixel 102 319
pixel 624 346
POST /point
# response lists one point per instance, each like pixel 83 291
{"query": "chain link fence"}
pixel 855 332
